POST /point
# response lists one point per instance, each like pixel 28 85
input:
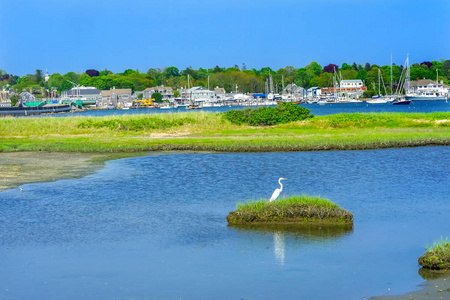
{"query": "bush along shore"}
pixel 290 210
pixel 437 257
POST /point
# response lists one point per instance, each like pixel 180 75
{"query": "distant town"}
pixel 171 88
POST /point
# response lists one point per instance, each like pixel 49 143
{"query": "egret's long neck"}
pixel 281 185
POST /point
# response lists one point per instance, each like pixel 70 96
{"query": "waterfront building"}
pixel 313 92
pixel 297 91
pixel 424 85
pixel 115 98
pixel 198 93
pixel 81 95
pixel 219 91
pixel 166 92
pixel 4 95
pixel 352 87
pixel 351 84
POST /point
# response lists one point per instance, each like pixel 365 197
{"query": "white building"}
pixel 166 92
pixel 351 84
pixel 313 92
pixel 86 94
pixel 426 85
pixel 198 93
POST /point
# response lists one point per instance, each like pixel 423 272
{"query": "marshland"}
pixel 213 132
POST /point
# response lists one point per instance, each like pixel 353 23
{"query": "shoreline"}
pixel 431 289
pixel 18 168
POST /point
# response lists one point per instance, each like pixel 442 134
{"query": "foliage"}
pixel 92 72
pixel 158 97
pixel 283 113
pixel 331 68
pixel 14 99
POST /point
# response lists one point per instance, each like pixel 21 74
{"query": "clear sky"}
pixel 75 35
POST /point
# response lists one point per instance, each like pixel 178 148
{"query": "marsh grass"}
pixel 202 131
pixel 282 203
pixel 442 246
pixel 437 256
pixel 290 209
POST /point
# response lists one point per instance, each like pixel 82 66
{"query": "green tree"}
pixel 346 66
pixel 446 68
pixel 158 97
pixel 172 71
pixel 176 94
pixel 140 96
pixel 38 76
pixel 362 74
pixel 14 99
pixel 315 67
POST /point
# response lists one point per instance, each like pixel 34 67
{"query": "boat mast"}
pixel 391 74
pixel 379 88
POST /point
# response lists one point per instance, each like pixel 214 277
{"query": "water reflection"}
pixel 428 274
pixel 278 247
pixel 297 234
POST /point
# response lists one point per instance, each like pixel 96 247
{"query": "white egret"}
pixel 277 192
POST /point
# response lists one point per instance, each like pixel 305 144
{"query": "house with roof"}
pixel 423 85
pixel 351 84
pixel 313 92
pixel 115 98
pixel 294 89
pixel 198 93
pixel 82 95
pixel 166 92
pixel 4 95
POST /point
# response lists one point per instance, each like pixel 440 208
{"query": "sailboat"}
pixel 380 99
pixel 404 83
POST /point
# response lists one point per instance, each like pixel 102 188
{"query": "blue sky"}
pixel 75 35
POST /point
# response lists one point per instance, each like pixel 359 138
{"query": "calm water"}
pixel 316 109
pixel 154 228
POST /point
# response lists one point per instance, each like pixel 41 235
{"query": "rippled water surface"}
pixel 154 227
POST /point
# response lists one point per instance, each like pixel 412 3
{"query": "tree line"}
pixel 233 78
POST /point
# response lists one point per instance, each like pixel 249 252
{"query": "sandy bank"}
pixel 17 168
pixel 434 289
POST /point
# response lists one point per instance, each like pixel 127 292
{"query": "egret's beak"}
pixel 284 178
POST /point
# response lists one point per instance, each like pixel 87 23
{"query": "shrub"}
pixel 283 113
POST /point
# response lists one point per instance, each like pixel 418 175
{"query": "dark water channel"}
pixel 154 228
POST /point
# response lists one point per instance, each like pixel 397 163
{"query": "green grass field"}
pixel 200 131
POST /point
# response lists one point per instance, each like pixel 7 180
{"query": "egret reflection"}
pixel 279 247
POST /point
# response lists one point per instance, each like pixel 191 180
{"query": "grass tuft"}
pixel 293 209
pixel 437 257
